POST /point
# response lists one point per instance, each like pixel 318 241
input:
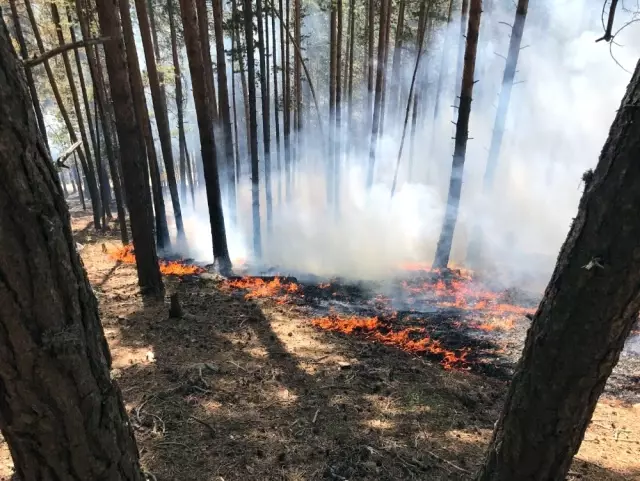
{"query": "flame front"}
pixel 169 268
pixel 413 340
pixel 259 288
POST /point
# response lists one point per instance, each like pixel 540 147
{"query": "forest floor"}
pixel 240 389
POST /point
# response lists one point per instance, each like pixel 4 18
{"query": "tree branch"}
pixel 612 13
pixel 32 62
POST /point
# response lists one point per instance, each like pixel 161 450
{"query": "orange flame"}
pixel 169 268
pixel 259 288
pixel 373 328
pixel 495 324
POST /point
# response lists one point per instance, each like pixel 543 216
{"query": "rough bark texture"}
pixel 203 28
pixel 443 250
pixel 144 128
pixel 133 159
pixel 160 109
pixel 89 173
pixel 195 54
pixel 60 413
pixel 100 93
pixel 253 130
pixel 581 324
pixel 24 53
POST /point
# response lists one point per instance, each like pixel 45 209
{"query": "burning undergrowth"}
pixel 127 255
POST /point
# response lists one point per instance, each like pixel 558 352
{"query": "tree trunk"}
pixel 79 182
pixel 396 80
pixel 156 47
pixel 253 127
pixel 143 125
pixel 333 65
pixel 370 59
pixel 24 53
pixel 443 250
pixel 352 38
pixel 196 54
pixel 505 93
pixel 266 128
pixel 297 69
pixel 579 330
pixel 160 110
pixel 383 100
pixel 243 80
pixel 133 160
pixel 61 413
pixel 443 66
pixel 225 111
pixel 425 8
pixel 179 100
pixel 377 103
pixel 275 101
pixel 100 92
pixel 203 28
pixel 338 109
pixel 90 175
pixel 461 47
pixel 287 106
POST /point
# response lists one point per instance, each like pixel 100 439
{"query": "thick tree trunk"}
pixel 89 173
pixel 24 53
pixel 443 250
pixel 61 413
pixel 505 93
pixel 100 93
pixel 144 128
pixel 579 330
pixel 253 130
pixel 203 28
pixel 133 159
pixel 160 109
pixel 196 54
pixel 225 111
pixel 266 127
pixel 461 46
pixel 377 103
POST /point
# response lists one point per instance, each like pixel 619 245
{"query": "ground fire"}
pixel 170 268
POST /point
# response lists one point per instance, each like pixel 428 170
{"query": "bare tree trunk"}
pixel 243 82
pixel 156 47
pixel 24 53
pixel 396 80
pixel 266 128
pixel 297 70
pixel 89 173
pixel 338 108
pixel 225 112
pixel 423 16
pixel 370 53
pixel 55 359
pixel 287 107
pixel 179 100
pixel 79 182
pixel 505 93
pixel 160 110
pixel 580 327
pixel 253 127
pixel 99 91
pixel 275 101
pixel 443 250
pixel 203 27
pixel 196 55
pixel 443 66
pixel 352 38
pixel 135 181
pixel 333 66
pixel 143 126
pixel 461 44
pixel 377 103
pixel 383 101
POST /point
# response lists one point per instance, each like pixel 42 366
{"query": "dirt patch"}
pixel 248 389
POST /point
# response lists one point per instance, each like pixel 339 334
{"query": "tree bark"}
pixel 352 39
pixel 133 158
pixel 443 66
pixel 160 109
pixel 286 85
pixel 276 112
pixel 377 102
pixel 396 81
pixel 24 53
pixel 89 173
pixel 370 53
pixel 225 111
pixel 196 54
pixel 266 127
pixel 297 68
pixel 61 413
pixel 338 109
pixel 100 93
pixel 78 173
pixel 461 46
pixel 253 129
pixel 443 249
pixel 143 126
pixel 580 327
pixel 333 66
pixel 203 28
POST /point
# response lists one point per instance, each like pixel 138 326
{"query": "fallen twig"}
pixel 204 423
pixel 453 465
pixel 315 416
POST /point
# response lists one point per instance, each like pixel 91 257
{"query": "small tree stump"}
pixel 175 309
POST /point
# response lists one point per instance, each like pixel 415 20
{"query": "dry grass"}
pixel 240 390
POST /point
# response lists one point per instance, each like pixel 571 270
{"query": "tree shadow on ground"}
pixel 238 390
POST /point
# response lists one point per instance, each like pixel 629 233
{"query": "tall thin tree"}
pixel 443 249
pixel 133 162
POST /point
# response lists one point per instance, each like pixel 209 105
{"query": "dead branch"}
pixel 608 31
pixel 32 62
pixel 63 157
